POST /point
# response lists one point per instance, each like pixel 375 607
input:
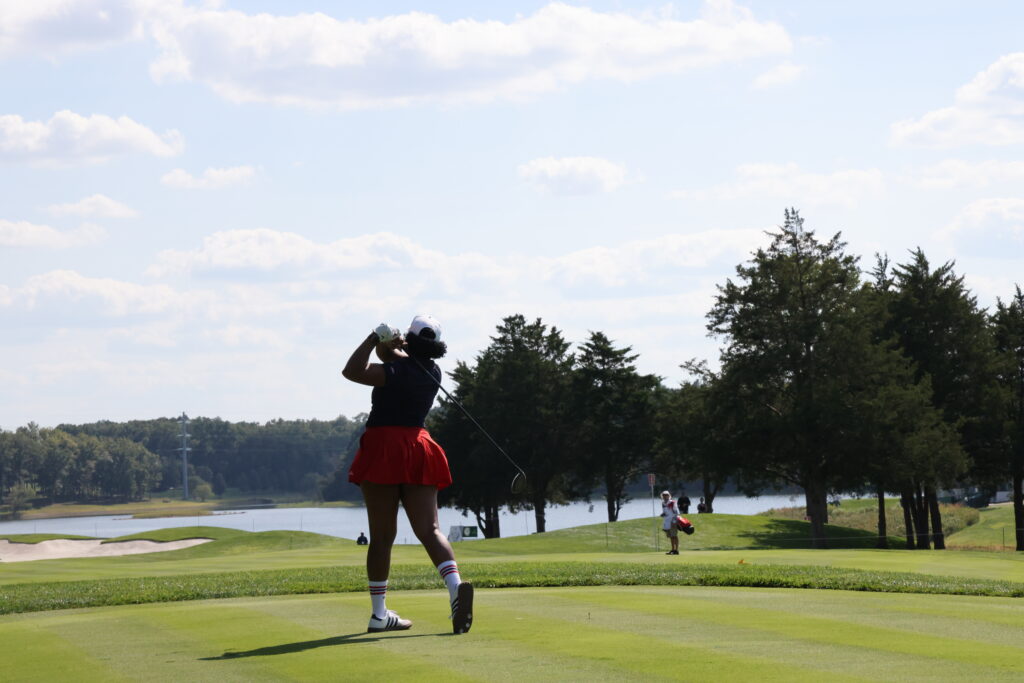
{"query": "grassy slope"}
pixel 606 633
pixel 39 538
pixel 629 541
pixel 862 513
pixel 993 532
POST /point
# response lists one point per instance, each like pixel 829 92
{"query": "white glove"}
pixel 387 333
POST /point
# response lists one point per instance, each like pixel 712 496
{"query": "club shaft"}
pixel 471 418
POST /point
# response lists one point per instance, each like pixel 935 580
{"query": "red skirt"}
pixel 399 455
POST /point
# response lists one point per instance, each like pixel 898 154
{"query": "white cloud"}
pixel 212 331
pixel 994 225
pixel 53 27
pixel 95 205
pixel 292 257
pixel 989 110
pixel 644 261
pixel 263 249
pixel 953 173
pixel 573 175
pixel 212 178
pixel 317 60
pixel 25 234
pixel 248 336
pixel 112 297
pixel 783 74
pixel 788 184
pixel 70 138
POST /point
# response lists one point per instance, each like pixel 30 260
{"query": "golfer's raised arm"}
pixel 359 369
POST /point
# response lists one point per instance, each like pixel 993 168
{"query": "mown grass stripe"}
pixel 617 608
pixel 598 633
pixel 637 655
pixel 129 641
pixel 483 654
pixel 864 608
pixel 34 653
pixel 972 610
pixel 64 595
pixel 839 631
pixel 241 632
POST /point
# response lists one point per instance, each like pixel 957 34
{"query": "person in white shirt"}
pixel 669 512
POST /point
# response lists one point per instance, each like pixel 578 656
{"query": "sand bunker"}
pixel 61 548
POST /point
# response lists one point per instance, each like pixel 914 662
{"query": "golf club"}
pixel 519 481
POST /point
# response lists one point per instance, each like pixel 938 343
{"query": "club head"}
pixel 519 483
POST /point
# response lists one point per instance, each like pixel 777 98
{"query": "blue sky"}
pixel 204 206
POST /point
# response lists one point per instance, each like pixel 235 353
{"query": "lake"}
pixel 348 522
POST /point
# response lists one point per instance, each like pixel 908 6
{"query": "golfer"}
pixel 669 512
pixel 398 462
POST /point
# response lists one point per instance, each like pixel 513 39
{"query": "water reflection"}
pixel 349 522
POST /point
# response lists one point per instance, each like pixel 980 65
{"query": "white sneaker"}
pixel 390 622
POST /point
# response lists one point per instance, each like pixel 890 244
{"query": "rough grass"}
pixel 994 531
pixel 35 597
pixel 39 538
pixel 863 514
pixel 157 514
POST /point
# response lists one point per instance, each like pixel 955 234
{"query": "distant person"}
pixel 362 540
pixel 684 503
pixel 398 462
pixel 702 506
pixel 669 512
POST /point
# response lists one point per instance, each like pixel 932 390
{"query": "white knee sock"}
pixel 378 592
pixel 450 573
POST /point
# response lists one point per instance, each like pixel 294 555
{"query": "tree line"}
pixel 125 461
pixel 60 466
pixel 830 378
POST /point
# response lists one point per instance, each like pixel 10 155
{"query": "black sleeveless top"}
pixel 406 396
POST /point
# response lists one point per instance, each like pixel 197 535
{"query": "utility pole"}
pixel 183 421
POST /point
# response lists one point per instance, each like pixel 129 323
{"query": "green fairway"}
pixel 629 541
pixel 597 602
pixel 622 633
pixel 239 563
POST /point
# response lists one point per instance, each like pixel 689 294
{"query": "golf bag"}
pixel 684 525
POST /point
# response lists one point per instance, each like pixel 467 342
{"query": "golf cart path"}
pixel 64 548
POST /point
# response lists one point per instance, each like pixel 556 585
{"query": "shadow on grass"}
pixel 789 534
pixel 290 648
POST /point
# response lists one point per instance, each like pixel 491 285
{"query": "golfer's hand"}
pixel 386 334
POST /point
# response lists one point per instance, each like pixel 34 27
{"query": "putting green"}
pixel 602 633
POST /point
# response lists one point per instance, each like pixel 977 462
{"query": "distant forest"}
pixel 128 460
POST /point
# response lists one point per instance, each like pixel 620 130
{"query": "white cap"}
pixel 425 322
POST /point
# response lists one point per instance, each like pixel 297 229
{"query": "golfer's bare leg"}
pixel 382 512
pixel 420 503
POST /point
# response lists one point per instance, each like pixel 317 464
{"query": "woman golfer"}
pixel 397 461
